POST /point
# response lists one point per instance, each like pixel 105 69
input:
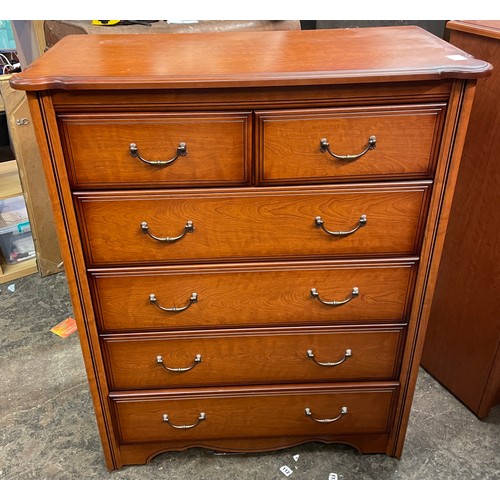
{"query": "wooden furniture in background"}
pixel 32 178
pixel 55 30
pixel 462 348
pixel 196 201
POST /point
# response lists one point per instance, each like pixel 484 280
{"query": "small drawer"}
pixel 252 357
pixel 115 150
pixel 160 227
pixel 253 412
pixel 395 142
pixel 255 295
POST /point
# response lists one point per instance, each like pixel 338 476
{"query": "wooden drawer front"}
pixel 253 295
pixel 253 413
pixel 246 358
pixel 407 139
pixel 230 224
pixel 97 149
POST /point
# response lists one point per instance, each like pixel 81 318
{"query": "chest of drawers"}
pixel 251 226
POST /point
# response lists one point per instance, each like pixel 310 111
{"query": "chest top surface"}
pixel 240 59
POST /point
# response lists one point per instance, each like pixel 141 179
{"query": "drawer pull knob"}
pixel 200 419
pixel 343 411
pixel 159 361
pixel 324 147
pixel 181 151
pixel 188 228
pixel 315 295
pixel 347 354
pixel 320 224
pixel 192 300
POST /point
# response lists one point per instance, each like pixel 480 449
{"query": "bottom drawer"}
pixel 252 412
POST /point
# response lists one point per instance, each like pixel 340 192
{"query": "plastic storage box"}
pixel 16 241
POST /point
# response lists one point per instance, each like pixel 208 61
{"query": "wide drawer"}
pixel 206 149
pixel 153 226
pixel 222 296
pixel 369 143
pixel 253 412
pixel 252 357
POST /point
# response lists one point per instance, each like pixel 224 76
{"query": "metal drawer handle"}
pixel 181 151
pixel 324 147
pixel 315 295
pixel 343 411
pixel 192 300
pixel 188 228
pixel 200 419
pixel 159 361
pixel 320 224
pixel 348 354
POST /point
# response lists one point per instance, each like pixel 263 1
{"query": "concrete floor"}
pixel 49 431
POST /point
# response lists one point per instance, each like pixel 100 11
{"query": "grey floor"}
pixel 48 428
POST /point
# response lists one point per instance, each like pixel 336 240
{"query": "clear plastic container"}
pixel 16 241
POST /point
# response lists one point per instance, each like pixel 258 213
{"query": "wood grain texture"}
pixel 143 453
pixel 254 98
pixel 208 60
pixel 289 143
pixel 248 301
pixel 460 105
pixel 249 224
pixel 247 412
pixel 48 254
pixel 464 328
pixel 97 149
pixel 487 28
pixel 45 126
pixel 257 295
pixel 252 357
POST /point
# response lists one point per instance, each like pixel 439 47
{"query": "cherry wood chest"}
pixel 462 347
pixel 251 226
